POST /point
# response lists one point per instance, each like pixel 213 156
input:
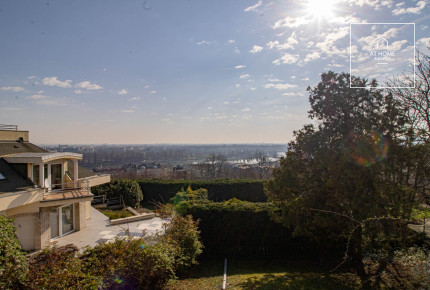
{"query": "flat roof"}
pixel 38 157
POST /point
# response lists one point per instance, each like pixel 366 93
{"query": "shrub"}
pixel 182 232
pixel 59 268
pixel 129 189
pixel 189 194
pixel 13 264
pixel 131 263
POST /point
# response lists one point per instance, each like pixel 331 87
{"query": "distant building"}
pixel 46 193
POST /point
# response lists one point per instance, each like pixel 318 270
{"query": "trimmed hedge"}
pixel 218 190
pixel 237 227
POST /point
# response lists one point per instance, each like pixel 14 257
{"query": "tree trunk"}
pixel 355 254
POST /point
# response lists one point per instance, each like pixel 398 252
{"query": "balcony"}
pixel 68 190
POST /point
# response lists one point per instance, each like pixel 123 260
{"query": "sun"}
pixel 320 8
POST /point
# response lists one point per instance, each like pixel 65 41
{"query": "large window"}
pixel 36 172
pixel 61 221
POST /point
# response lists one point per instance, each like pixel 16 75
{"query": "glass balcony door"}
pixel 61 221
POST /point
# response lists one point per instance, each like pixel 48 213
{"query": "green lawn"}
pixel 264 274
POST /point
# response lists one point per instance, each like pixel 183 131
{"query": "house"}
pixel 46 193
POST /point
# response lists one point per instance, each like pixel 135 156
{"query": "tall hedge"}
pixel 237 227
pixel 129 189
pixel 218 190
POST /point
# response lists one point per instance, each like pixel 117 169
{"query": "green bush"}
pixel 182 232
pixel 218 190
pixel 129 189
pixel 13 264
pixel 116 214
pixel 189 194
pixel 59 268
pixel 131 264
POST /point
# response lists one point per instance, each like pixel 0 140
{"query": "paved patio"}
pixel 99 230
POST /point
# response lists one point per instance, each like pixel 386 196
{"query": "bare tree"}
pixel 415 101
pixel 213 166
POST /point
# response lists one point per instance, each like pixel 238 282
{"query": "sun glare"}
pixel 320 8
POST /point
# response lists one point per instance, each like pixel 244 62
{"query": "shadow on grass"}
pixel 296 281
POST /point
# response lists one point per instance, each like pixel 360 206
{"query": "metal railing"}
pixel 67 186
pixel 9 127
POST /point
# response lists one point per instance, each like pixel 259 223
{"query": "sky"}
pixel 189 71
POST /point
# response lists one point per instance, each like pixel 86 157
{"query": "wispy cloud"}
pixel 127 111
pixel 134 99
pixel 231 41
pixel 88 86
pixel 122 92
pixel 54 82
pixel 279 86
pixel 13 89
pixel 253 7
pixel 291 22
pixel 240 66
pixel 37 97
pixel 244 76
pixel 288 44
pixel 255 49
pixel 246 110
pixel 203 42
pixel 411 10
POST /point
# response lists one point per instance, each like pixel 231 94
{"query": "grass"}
pixel 116 214
pixel 264 274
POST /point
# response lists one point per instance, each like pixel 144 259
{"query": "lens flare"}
pixel 367 149
pixel 118 280
pixel 142 246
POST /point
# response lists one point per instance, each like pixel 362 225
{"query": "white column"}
pixel 75 172
pixel 41 175
pixel 49 178
pixel 62 174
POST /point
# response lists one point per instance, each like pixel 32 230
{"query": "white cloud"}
pixel 253 7
pixel 237 85
pixel 291 22
pixel 253 89
pixel 147 86
pixel 236 50
pixel 240 66
pixel 279 87
pixel 226 102
pixel 289 94
pixel 13 89
pixel 287 58
pixel 255 49
pixel 88 86
pixel 37 97
pixel 305 79
pixel 312 56
pixel 274 80
pixel 412 10
pixel 203 42
pixel 231 41
pixel 122 92
pixel 210 108
pixel 246 110
pixel 244 76
pixel 424 41
pixel 77 91
pixel 127 111
pixel 53 81
pixel 153 92
pixel 134 99
pixel 289 43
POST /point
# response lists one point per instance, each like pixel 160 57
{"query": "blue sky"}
pixel 185 71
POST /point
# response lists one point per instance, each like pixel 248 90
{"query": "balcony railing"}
pixel 68 190
pixel 8 127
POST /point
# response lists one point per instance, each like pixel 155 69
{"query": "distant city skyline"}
pixel 183 72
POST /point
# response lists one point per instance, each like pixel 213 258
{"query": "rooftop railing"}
pixel 9 127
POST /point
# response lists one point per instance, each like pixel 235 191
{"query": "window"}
pixel 2 176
